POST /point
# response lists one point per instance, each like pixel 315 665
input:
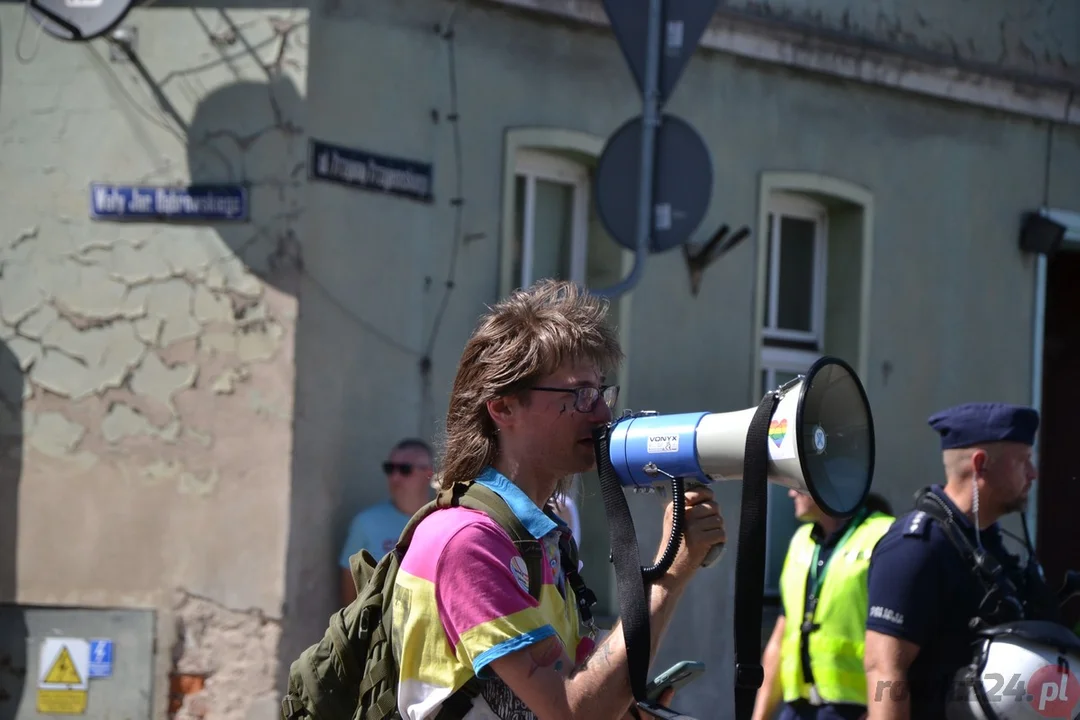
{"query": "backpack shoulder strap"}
pixel 585 597
pixel 477 497
pixel 410 527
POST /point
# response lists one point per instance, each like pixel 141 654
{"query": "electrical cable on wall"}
pixel 19 37
pixel 167 119
pixel 457 201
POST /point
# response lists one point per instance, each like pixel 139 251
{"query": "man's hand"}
pixel 770 694
pixel 666 698
pixel 599 689
pixel 703 527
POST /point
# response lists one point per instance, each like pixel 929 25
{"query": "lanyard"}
pixel 817 575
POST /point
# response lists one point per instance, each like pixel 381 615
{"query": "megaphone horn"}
pixel 820 441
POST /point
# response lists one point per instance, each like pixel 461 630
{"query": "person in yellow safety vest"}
pixel 813 661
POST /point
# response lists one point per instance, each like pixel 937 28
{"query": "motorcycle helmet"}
pixel 1023 670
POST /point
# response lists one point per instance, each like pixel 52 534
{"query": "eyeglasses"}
pixel 585 398
pixel 402 468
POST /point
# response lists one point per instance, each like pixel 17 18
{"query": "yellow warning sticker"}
pixel 61 702
pixel 63 671
pixel 63 676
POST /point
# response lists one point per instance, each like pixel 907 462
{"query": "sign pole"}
pixel 650 113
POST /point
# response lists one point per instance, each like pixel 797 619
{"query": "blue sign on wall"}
pixel 101 658
pixel 368 171
pixel 220 203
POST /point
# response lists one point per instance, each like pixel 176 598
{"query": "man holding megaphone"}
pixel 528 395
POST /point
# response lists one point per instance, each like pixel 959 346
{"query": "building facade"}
pixel 193 410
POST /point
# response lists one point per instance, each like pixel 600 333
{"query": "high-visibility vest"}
pixel 836 647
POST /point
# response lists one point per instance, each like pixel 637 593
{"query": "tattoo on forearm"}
pixel 600 656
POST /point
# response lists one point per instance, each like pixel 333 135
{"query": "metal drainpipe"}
pixel 650 120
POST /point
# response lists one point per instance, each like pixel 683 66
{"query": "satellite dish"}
pixel 79 20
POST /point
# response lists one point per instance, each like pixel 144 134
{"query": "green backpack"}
pixel 351 674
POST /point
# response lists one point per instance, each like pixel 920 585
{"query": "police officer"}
pixel 927 594
pixel 813 661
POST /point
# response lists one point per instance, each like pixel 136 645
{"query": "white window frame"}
pixel 774 360
pixel 536 165
pixel 788 205
pixel 778 359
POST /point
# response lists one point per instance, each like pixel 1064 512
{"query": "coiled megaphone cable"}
pixel 653 573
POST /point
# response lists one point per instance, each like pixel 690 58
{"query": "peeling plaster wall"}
pixel 1035 35
pixel 154 461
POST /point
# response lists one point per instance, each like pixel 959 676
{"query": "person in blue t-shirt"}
pixel 409 470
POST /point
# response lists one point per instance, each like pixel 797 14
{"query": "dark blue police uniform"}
pixel 920 588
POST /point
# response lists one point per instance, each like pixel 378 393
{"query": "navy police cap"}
pixel 976 423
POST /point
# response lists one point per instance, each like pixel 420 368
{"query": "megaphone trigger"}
pixel 714 555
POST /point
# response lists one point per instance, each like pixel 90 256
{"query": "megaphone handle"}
pixel 715 553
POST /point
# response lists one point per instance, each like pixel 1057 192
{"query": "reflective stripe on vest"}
pixel 836 647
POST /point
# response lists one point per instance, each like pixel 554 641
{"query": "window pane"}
pixel 552 229
pixel 519 229
pixel 768 272
pixel 796 291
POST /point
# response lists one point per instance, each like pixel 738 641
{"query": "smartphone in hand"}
pixel 676 676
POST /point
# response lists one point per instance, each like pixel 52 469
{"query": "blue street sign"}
pixel 215 203
pixel 101 658
pixel 379 173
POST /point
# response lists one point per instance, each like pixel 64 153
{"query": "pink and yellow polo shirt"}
pixel 462 600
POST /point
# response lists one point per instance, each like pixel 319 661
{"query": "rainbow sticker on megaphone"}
pixel 783 426
pixel 777 431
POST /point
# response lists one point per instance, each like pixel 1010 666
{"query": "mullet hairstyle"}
pixel 524 337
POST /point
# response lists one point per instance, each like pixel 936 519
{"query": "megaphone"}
pixel 820 441
pixel 814 434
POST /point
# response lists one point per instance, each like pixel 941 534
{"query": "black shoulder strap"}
pixel 750 560
pixel 927 502
pixel 629 581
pixel 585 597
pixel 458 705
pixel 1000 600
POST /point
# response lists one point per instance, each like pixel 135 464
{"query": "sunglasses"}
pixel 401 468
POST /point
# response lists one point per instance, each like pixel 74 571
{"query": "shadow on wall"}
pixel 12 624
pixel 250 132
pixel 244 133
